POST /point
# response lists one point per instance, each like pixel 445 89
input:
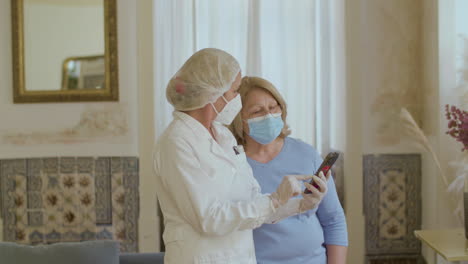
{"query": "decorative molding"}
pixel 103 123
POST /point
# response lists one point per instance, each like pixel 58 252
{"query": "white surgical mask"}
pixel 230 110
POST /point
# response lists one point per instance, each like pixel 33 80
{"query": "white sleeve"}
pixel 289 209
pixel 198 199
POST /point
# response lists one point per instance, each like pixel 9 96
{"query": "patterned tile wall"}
pixel 47 200
pixel 392 206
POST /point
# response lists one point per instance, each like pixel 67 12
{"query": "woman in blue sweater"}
pixel 318 236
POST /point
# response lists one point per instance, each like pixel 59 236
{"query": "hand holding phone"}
pixel 326 165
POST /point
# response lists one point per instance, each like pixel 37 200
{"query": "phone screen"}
pixel 324 167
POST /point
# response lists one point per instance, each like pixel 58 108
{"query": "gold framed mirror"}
pixel 58 42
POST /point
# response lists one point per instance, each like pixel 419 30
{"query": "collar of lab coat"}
pixel 198 129
pixel 219 147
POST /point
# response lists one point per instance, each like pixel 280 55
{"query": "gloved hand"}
pixel 289 187
pixel 311 200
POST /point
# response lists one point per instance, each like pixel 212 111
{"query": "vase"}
pixel 462 171
pixel 465 202
pixel 465 208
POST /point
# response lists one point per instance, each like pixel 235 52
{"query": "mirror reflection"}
pixel 83 73
pixel 58 32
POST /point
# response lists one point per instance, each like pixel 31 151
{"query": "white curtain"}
pixel 461 52
pixel 297 45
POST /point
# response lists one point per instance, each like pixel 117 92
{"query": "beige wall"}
pixel 383 62
pixel 149 222
pixel 430 124
pixel 353 154
pixel 50 118
pixel 395 56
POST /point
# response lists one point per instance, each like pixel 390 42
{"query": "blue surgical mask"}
pixel 265 129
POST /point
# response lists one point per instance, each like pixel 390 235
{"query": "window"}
pixel 293 44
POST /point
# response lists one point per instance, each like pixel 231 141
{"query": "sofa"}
pixel 86 252
pixel 141 258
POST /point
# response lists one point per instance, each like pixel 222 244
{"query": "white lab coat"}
pixel 208 195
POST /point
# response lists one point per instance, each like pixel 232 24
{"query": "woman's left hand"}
pixel 311 200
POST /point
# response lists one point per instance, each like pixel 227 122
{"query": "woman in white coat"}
pixel 208 195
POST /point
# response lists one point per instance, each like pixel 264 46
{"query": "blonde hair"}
pixel 249 84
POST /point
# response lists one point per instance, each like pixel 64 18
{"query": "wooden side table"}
pixel 451 244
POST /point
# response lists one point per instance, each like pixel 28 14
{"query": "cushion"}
pixel 88 252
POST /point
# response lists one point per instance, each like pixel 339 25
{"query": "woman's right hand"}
pixel 312 200
pixel 290 186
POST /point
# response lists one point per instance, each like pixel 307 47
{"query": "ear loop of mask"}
pixel 214 108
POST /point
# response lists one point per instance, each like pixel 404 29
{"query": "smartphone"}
pixel 324 167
